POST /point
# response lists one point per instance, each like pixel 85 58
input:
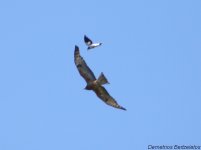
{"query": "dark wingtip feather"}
pixel 76 50
pixel 76 47
pixel 122 108
pixel 87 40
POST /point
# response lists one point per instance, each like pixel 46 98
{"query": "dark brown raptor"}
pixel 93 83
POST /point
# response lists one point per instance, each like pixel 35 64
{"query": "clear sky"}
pixel 151 55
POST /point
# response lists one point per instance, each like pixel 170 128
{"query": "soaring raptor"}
pixel 93 83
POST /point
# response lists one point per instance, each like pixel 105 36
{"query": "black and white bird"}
pixel 89 43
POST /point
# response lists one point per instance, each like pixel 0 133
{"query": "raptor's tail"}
pixel 102 79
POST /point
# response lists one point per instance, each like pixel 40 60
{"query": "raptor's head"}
pixel 87 87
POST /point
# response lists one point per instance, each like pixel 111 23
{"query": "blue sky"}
pixel 150 55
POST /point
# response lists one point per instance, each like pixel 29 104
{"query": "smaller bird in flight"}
pixel 89 43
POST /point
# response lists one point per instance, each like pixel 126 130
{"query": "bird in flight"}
pixel 89 43
pixel 92 83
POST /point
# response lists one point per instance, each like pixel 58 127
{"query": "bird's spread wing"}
pixel 105 96
pixel 82 67
pixel 87 40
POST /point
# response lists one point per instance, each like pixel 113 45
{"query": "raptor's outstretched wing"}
pixel 105 96
pixel 82 67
